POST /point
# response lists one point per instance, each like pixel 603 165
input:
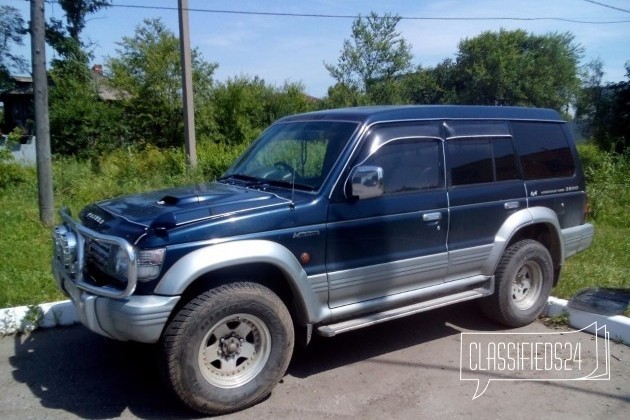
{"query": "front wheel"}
pixel 523 281
pixel 227 348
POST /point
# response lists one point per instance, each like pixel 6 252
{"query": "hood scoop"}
pixel 172 200
pixel 169 200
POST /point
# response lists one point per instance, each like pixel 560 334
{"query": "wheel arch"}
pixel 538 223
pixel 265 262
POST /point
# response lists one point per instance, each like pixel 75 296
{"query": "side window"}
pixel 479 160
pixel 409 165
pixel 543 150
pixel 504 159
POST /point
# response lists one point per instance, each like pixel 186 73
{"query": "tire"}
pixel 523 282
pixel 226 349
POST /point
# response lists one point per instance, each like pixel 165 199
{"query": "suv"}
pixel 331 221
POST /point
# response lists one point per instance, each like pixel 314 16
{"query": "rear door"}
pixel 484 189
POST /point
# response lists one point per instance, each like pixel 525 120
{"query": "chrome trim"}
pixel 367 174
pixel 431 217
pixel 391 314
pixel 82 232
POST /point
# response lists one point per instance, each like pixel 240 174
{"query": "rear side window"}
pixel 481 160
pixel 543 150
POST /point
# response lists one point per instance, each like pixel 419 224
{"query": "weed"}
pixel 32 319
pixel 557 321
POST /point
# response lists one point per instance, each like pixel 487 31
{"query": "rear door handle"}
pixel 431 217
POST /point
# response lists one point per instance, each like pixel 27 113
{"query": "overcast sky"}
pixel 294 48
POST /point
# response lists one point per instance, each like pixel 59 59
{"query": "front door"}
pixel 395 242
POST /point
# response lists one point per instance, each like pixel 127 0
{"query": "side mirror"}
pixel 366 182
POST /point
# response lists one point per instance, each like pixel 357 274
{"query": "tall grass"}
pixel 606 262
pixel 25 245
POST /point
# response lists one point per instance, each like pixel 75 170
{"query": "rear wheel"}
pixel 227 348
pixel 523 282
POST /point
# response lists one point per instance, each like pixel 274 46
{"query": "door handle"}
pixel 431 217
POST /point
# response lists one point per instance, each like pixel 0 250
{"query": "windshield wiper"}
pixel 252 181
pixel 288 184
pixel 240 177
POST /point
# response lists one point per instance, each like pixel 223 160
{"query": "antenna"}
pixel 292 204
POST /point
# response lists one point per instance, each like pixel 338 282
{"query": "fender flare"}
pixel 513 225
pixel 229 254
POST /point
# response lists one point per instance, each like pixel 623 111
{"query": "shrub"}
pixel 608 184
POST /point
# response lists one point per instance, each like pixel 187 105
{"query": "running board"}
pixel 377 318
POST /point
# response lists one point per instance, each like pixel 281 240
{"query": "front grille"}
pixel 99 254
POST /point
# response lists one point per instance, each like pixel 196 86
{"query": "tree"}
pixel 603 111
pixel 12 29
pixel 431 85
pixel 245 106
pixel 148 70
pixel 375 55
pixel 80 122
pixel 518 68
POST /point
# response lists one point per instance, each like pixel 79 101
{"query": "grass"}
pixel 604 264
pixel 25 245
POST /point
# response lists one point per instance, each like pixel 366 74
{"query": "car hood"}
pixel 178 206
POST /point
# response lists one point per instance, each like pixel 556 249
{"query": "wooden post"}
pixel 189 108
pixel 42 127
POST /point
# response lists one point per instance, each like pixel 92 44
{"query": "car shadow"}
pixel 77 371
pixel 324 354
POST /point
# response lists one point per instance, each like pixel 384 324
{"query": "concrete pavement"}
pixel 408 368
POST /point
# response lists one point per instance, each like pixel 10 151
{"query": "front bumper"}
pixel 135 318
pixel 113 312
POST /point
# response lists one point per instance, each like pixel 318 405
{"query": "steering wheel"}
pixel 282 165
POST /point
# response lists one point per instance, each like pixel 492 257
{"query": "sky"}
pixel 283 49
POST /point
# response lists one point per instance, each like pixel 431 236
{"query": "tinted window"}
pixel 408 165
pixel 504 159
pixel 479 160
pixel 543 150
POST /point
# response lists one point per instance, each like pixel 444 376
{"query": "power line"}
pixel 332 16
pixel 608 6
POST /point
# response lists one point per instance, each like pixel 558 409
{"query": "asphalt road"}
pixel 408 368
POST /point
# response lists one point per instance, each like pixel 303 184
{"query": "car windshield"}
pixel 294 155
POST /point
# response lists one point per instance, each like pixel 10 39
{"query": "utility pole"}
pixel 189 108
pixel 42 128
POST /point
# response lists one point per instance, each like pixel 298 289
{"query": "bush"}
pixel 608 184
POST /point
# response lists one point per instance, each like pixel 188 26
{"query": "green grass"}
pixel 25 245
pixel 604 264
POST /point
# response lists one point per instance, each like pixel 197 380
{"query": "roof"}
pixel 373 114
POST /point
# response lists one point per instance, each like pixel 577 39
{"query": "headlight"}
pixel 149 263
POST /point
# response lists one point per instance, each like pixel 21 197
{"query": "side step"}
pixel 376 318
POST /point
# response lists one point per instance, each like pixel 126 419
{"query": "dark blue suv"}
pixel 330 221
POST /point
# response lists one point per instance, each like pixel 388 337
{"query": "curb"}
pixel 62 313
pixel 617 326
pixel 46 315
